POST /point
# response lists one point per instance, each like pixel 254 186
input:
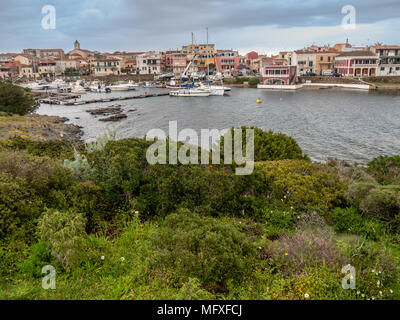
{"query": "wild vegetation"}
pixel 115 227
pixel 15 100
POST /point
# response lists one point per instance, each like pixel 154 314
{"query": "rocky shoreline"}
pixel 38 128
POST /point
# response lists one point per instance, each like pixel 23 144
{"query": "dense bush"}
pixel 254 81
pixel 64 232
pixel 302 185
pixel 190 246
pixel 349 220
pixel 39 257
pixel 14 99
pixel 385 169
pixel 59 149
pixel 28 184
pixel 239 80
pixel 269 146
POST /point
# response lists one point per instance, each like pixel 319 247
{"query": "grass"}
pixel 127 273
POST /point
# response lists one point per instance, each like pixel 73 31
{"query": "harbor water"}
pixel 349 125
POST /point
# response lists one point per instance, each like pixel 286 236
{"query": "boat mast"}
pixel 208 65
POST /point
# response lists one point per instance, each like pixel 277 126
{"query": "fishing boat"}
pixel 123 86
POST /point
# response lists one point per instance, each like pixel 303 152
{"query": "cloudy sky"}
pixel 266 26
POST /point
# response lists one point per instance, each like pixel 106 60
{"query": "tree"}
pixel 15 99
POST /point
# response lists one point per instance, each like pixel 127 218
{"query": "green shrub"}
pixel 44 177
pixel 59 149
pixel 14 99
pixel 302 185
pixel 192 290
pixel 385 169
pixel 239 80
pixel 19 209
pixel 190 246
pixel 382 202
pixel 39 257
pixel 269 146
pixel 358 191
pixel 64 232
pixel 254 81
pixel 349 220
pixel 123 174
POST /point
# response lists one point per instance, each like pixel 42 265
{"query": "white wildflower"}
pixel 122 259
pixel 102 257
pixel 306 295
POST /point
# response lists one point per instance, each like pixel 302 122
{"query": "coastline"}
pixel 37 127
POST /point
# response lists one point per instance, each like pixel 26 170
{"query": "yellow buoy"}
pixel 259 100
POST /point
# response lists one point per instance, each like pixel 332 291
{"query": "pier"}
pixel 61 101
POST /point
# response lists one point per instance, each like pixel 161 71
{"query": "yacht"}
pixel 77 87
pixel 214 90
pixel 191 92
pixel 99 88
pixel 122 87
pixel 34 86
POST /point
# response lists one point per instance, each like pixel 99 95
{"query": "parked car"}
pixel 311 74
pixel 327 73
pixel 337 75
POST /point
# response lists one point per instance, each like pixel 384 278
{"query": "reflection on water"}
pixel 349 125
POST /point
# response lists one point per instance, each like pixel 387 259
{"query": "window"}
pixel 382 68
pixel 397 68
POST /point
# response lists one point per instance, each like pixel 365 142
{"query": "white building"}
pixel 305 61
pixel 389 60
pixel 150 63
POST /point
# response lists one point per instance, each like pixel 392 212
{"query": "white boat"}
pixel 122 87
pixel 99 89
pixel 214 90
pixel 34 86
pixel 191 92
pixel 77 89
pixel 149 85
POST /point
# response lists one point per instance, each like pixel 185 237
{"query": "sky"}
pixel 265 26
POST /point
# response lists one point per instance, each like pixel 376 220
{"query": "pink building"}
pixel 227 61
pixel 251 56
pixel 273 74
pixel 357 64
pixel 179 63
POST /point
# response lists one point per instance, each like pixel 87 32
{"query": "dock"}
pixel 63 102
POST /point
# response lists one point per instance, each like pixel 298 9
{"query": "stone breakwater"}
pixel 38 128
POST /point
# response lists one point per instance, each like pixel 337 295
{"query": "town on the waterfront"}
pixel 203 157
pixel 342 64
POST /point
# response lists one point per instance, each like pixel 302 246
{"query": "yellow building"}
pixel 204 56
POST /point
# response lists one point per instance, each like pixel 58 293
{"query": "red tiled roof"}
pixel 387 47
pixel 51 50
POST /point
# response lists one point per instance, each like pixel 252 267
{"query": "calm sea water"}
pixel 348 125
